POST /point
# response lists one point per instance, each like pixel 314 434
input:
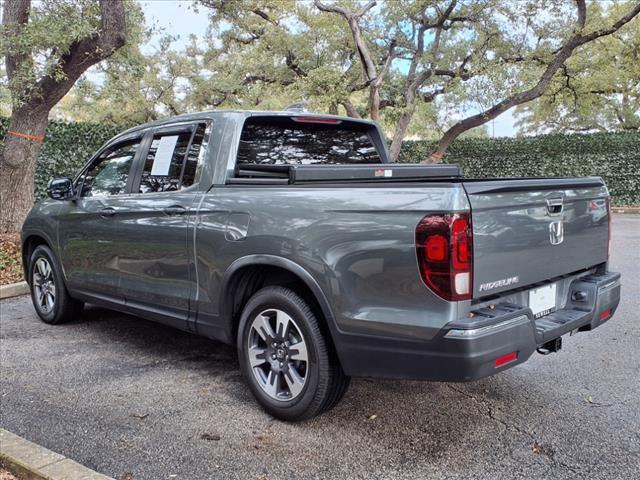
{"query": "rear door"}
pixel 157 272
pixel 531 230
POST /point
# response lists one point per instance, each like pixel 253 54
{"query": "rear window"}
pixel 283 141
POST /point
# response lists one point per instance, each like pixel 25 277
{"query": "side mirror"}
pixel 60 188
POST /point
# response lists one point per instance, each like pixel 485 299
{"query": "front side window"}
pixel 172 161
pixel 284 141
pixel 109 173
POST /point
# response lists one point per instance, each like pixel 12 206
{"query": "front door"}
pixel 90 241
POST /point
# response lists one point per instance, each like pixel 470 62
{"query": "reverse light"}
pixel 445 254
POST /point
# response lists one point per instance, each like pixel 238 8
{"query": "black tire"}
pixel 62 308
pixel 324 381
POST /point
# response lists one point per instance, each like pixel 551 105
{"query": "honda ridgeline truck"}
pixel 292 236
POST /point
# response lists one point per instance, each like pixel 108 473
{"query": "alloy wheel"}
pixel 277 353
pixel 44 285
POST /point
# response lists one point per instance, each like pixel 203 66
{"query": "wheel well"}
pixel 28 246
pixel 248 280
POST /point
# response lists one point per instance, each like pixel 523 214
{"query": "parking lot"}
pixel 136 400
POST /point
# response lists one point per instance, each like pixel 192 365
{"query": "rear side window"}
pixel 284 141
pixel 172 161
pixel 109 173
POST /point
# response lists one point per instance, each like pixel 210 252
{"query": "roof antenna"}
pixel 300 107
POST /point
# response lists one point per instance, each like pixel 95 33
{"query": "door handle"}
pixel 175 210
pixel 107 212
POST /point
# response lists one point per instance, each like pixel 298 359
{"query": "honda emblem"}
pixel 556 232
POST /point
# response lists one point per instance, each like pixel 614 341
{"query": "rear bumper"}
pixel 467 349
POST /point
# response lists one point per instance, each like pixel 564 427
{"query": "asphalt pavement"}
pixel 136 400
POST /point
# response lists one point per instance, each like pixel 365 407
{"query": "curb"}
pixel 633 210
pixel 33 462
pixel 13 290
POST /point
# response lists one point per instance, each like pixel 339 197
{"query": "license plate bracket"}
pixel 542 300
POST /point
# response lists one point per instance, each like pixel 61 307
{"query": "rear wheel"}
pixel 287 361
pixel 48 291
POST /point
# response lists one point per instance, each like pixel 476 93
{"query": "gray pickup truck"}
pixel 292 236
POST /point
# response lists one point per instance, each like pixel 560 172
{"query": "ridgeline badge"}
pixel 505 282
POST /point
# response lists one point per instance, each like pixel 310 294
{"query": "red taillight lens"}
pixel 317 120
pixel 436 248
pixel 444 244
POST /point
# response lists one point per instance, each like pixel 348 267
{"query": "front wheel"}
pixel 48 291
pixel 286 359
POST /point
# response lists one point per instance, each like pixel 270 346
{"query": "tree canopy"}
pixel 422 68
pixel 597 90
pixel 46 48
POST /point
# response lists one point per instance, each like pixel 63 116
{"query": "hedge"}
pixel 613 156
pixel 67 147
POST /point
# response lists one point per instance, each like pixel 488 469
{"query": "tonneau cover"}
pixel 337 173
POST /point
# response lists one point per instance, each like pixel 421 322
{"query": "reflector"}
pixel 605 314
pixel 508 358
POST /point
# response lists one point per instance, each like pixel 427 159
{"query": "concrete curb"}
pixel 33 462
pixel 13 290
pixel 633 210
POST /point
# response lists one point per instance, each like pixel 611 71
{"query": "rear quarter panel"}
pixel 356 242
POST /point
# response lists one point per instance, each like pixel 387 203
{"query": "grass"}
pixel 10 261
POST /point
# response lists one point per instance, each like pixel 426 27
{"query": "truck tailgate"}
pixel 530 230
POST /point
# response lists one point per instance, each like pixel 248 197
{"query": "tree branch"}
pixel 85 53
pixel 613 28
pixel 576 40
pixel 369 66
pixel 15 16
pixel 351 110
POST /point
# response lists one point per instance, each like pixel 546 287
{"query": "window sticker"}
pixel 164 154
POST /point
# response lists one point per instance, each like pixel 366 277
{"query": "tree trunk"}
pixel 18 165
pixel 399 133
pixel 374 103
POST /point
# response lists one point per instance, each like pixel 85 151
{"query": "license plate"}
pixel 542 301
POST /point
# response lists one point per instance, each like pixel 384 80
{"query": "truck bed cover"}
pixel 297 174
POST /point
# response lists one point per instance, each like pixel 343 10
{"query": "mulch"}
pixel 10 261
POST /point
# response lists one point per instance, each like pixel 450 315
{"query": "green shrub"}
pixel 613 156
pixel 67 147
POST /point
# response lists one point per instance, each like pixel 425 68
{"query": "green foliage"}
pixel 599 90
pixel 67 147
pixel 135 88
pixel 54 27
pixel 613 156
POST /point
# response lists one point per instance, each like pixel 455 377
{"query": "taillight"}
pixel 444 245
pixel 609 227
